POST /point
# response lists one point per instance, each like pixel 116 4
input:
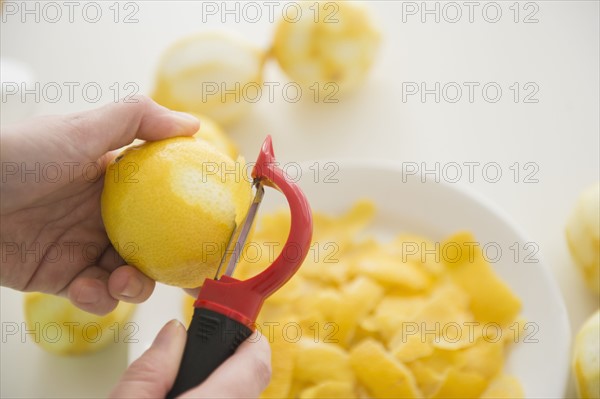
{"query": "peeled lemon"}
pixel 62 328
pixel 586 358
pixel 328 46
pixel 169 208
pixel 213 73
pixel 215 135
pixel 583 235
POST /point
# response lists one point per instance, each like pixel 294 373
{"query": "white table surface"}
pixel 559 133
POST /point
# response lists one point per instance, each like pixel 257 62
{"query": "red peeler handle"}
pixel 226 309
pixel 242 300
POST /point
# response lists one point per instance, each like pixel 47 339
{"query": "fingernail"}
pixel 167 334
pixel 186 118
pixel 87 295
pixel 133 289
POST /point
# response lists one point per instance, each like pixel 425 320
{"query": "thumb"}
pixel 88 135
pixel 115 125
pixel 153 374
pixel 72 143
pixel 244 375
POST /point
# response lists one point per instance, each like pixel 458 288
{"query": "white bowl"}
pixel 407 204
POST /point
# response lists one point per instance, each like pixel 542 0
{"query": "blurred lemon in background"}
pixel 583 235
pixel 215 135
pixel 330 46
pixel 210 73
pixel 586 359
pixel 64 329
pixel 170 206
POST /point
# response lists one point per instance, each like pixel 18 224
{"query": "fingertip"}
pixel 259 352
pixel 91 295
pixel 164 123
pixel 257 343
pixel 152 375
pixel 128 284
pixel 172 332
pixel 179 124
pixel 187 121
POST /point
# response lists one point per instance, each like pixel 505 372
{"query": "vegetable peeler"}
pixel 226 308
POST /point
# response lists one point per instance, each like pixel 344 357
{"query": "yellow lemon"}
pixel 586 359
pixel 215 135
pixel 62 328
pixel 583 235
pixel 169 208
pixel 327 47
pixel 212 73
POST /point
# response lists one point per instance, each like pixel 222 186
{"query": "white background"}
pixel 559 133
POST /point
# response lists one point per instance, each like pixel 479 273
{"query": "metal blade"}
pixel 240 234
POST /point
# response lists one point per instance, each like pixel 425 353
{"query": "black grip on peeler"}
pixel 211 338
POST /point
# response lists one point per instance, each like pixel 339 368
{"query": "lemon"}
pixel 586 359
pixel 212 73
pixel 215 135
pixel 169 208
pixel 330 47
pixel 62 328
pixel 583 235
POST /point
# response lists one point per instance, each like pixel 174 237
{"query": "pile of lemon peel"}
pixel 360 319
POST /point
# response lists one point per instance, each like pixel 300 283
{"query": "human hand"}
pixel 52 236
pixel 244 375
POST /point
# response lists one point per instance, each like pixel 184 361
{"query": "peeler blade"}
pixel 240 234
